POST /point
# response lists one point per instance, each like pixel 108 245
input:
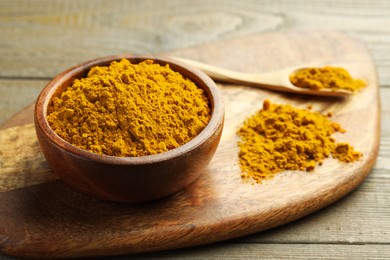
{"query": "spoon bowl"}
pixel 275 80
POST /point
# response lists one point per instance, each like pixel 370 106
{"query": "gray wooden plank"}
pixel 40 39
pixel 16 94
pixel 275 251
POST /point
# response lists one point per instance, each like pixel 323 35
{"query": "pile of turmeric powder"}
pixel 334 78
pixel 130 109
pixel 281 137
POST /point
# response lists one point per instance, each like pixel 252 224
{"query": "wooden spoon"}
pixel 275 80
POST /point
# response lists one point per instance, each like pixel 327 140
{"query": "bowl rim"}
pixel 213 94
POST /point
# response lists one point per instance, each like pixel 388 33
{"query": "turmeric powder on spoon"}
pixel 328 77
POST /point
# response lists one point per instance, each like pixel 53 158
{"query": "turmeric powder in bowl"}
pixel 122 120
pixel 127 109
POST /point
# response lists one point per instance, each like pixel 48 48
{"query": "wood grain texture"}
pixel 40 38
pixel 276 251
pixel 32 165
pixel 82 30
pixel 218 205
pixel 16 94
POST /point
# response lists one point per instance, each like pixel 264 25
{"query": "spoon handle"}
pixel 226 75
pixel 213 71
pixel 275 80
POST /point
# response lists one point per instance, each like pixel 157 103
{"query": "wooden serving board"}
pixel 40 217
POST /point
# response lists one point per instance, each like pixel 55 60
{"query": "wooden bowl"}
pixel 128 179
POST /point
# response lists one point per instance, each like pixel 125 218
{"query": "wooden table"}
pixel 39 39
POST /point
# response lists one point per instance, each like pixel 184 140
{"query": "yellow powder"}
pixel 281 137
pixel 327 77
pixel 130 110
pixel 345 153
